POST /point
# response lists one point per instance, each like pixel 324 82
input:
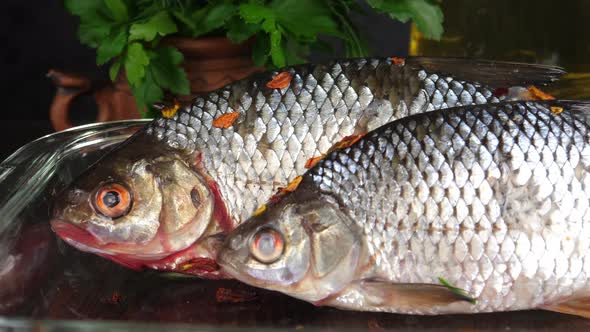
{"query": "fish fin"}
pixel 582 106
pixel 371 117
pixel 578 307
pixel 416 296
pixel 497 74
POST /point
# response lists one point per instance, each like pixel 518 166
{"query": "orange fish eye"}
pixel 112 200
pixel 267 245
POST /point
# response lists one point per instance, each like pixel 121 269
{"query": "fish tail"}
pixel 578 307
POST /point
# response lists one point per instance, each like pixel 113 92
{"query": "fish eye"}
pixel 112 200
pixel 267 245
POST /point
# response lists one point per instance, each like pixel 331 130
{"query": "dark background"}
pixel 39 35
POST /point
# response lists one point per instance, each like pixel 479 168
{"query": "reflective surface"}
pixel 46 285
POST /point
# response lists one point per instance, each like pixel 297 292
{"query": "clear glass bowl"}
pixel 45 284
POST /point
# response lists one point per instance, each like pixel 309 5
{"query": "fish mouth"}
pixel 229 268
pixel 77 237
pixel 83 240
pixel 200 261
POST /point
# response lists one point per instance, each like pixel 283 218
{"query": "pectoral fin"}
pixel 578 307
pixel 415 296
pixel 377 113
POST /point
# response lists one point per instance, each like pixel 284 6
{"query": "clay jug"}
pixel 210 64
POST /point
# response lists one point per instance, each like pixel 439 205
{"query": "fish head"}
pixel 138 205
pixel 304 246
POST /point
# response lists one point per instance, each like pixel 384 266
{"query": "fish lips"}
pixel 229 268
pixel 77 237
pixel 86 242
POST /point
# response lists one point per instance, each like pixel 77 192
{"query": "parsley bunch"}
pixel 128 33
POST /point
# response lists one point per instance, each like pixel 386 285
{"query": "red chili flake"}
pixel 169 111
pixel 115 298
pixel 259 211
pixel 200 264
pixel 556 110
pixel 346 142
pixel 499 92
pixel 398 61
pixel 291 187
pixel 536 93
pixel 226 295
pixel 373 325
pixel 226 120
pixel 280 81
pixel 311 162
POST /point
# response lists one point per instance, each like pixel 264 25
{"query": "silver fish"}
pixel 163 197
pixel 473 209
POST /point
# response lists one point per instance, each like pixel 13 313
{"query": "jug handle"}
pixel 69 87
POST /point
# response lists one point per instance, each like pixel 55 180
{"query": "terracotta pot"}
pixel 210 64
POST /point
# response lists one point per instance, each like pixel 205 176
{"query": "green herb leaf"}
pixel 189 24
pixel 135 63
pixel 295 53
pixel 114 69
pixel 354 45
pixel 112 46
pixel 94 27
pixel 160 24
pixel 305 18
pixel 217 16
pixel 83 8
pixel 147 92
pixel 117 9
pixel 239 31
pixel 276 49
pixel 93 33
pixel 166 70
pixel 458 291
pixel 254 13
pixel 260 49
pixel 426 13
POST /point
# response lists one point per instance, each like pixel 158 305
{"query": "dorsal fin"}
pixel 573 105
pixel 497 74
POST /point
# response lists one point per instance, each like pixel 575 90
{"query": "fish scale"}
pixel 499 228
pixel 199 170
pixel 278 130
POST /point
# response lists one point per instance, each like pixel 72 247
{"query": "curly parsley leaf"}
pixel 166 70
pixel 426 13
pixel 117 9
pixel 135 62
pixel 84 8
pixel 216 17
pixel 94 25
pixel 112 46
pixel 160 24
pixel 114 69
pixel 239 31
pixel 303 20
pixel 260 48
pixel 147 92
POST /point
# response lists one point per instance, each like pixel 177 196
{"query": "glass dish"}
pixel 47 285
